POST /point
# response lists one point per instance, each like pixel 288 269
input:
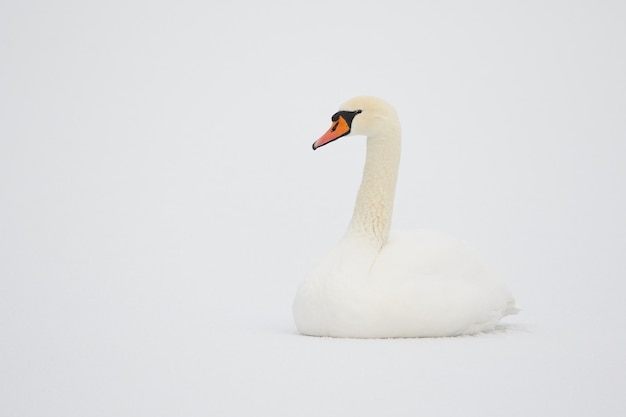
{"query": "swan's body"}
pixel 405 285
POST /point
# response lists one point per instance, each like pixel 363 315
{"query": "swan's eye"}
pixel 347 115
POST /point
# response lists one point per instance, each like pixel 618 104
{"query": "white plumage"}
pixel 411 284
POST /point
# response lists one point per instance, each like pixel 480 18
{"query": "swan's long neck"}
pixel 371 219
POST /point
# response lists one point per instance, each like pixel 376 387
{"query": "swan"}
pixel 374 284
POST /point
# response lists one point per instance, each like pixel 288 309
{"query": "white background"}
pixel 160 202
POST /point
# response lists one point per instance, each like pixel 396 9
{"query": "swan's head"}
pixel 359 116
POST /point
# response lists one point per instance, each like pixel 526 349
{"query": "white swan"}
pixel 372 285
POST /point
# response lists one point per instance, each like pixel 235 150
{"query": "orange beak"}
pixel 338 129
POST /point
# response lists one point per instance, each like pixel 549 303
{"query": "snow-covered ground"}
pixel 160 202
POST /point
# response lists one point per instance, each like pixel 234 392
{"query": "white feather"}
pixel 418 284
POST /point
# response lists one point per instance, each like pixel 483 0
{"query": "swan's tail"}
pixel 510 309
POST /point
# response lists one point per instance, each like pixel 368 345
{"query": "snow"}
pixel 160 202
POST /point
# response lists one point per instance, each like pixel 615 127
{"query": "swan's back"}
pixel 420 284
